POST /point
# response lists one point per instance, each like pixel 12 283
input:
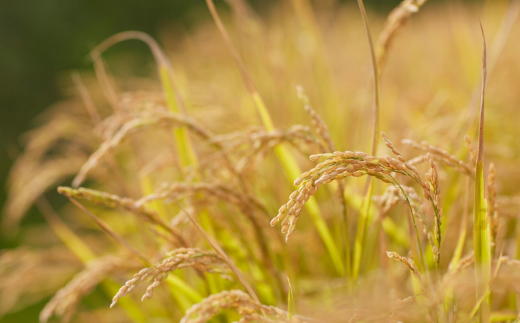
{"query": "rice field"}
pixel 319 162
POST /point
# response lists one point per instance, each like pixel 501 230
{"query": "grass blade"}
pixel 481 234
pixel 291 308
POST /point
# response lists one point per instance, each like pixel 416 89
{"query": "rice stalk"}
pixel 368 190
pixel 481 233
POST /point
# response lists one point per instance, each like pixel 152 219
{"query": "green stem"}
pixel 358 245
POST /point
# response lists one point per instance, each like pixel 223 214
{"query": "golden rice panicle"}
pixel 433 180
pixel 410 264
pixel 115 201
pixel 471 150
pixel 401 159
pixel 335 166
pixel 391 146
pixel 464 263
pixel 318 123
pixel 442 155
pixel 237 299
pixel 141 121
pixel 418 160
pixel 207 261
pixel 402 303
pixel 393 195
pixel 407 262
pixel 389 199
pixel 492 203
pixel 65 301
pixel 176 191
pixel 395 21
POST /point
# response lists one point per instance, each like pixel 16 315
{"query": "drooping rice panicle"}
pixel 175 191
pixel 236 299
pixel 338 165
pixel 65 301
pixel 433 179
pixel 402 303
pixel 123 203
pixel 492 205
pixel 472 152
pixel 446 157
pixel 146 120
pixel 407 262
pixel 394 23
pixel 318 123
pixel 464 263
pixel 410 264
pixel 205 261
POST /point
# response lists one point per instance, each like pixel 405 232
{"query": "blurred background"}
pixel 42 42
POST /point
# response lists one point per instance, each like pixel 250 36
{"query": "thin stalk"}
pixel 481 234
pixel 363 216
pixel 289 164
